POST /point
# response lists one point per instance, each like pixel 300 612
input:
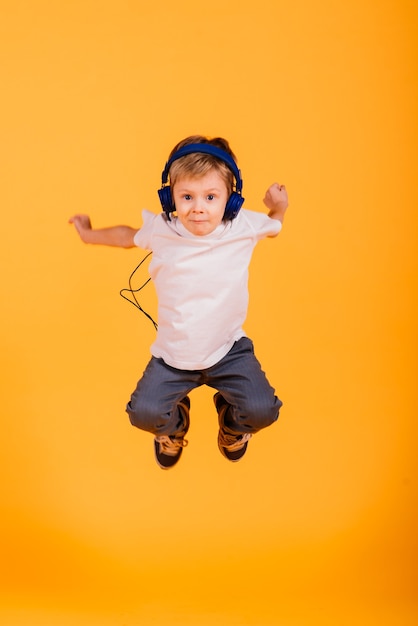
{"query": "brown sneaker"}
pixel 168 448
pixel 233 446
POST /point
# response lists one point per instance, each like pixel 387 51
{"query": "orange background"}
pixel 317 525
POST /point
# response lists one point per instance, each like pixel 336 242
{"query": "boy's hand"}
pixel 82 224
pixel 276 200
pixel 276 197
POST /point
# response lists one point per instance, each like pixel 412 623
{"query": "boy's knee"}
pixel 146 417
pixel 261 414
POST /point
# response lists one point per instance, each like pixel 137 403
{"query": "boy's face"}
pixel 200 202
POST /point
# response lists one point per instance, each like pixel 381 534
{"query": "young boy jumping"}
pixel 202 245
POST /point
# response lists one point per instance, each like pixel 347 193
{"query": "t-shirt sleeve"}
pixel 143 237
pixel 263 225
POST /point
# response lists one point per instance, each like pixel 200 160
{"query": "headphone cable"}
pixel 132 291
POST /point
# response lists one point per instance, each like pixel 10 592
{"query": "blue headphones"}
pixel 235 200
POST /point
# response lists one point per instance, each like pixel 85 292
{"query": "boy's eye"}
pixel 187 196
pixel 211 196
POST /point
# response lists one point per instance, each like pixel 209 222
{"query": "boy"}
pixel 202 245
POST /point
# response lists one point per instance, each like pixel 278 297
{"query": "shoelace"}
pixel 169 446
pixel 233 442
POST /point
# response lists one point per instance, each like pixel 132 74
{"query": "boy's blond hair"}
pixel 196 165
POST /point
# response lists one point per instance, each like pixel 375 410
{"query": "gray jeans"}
pixel 238 377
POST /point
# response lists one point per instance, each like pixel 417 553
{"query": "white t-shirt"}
pixel 201 284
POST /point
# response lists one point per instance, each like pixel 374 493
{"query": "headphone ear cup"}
pixel 235 202
pixel 166 200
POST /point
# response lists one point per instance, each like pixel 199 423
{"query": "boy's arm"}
pixel 276 201
pixel 119 236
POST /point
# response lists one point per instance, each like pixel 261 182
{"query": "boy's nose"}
pixel 198 206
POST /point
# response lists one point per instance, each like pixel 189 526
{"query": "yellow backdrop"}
pixel 317 525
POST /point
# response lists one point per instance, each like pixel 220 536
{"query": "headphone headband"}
pixel 204 148
pixel 235 200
